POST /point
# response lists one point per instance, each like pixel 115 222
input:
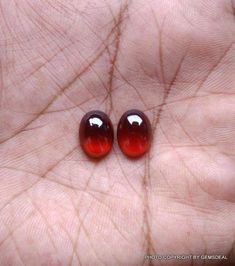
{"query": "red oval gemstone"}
pixel 96 134
pixel 134 133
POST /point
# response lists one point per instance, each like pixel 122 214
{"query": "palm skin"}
pixel 175 60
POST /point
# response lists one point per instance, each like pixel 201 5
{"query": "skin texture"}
pixel 174 60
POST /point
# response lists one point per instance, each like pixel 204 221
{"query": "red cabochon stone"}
pixel 134 133
pixel 96 134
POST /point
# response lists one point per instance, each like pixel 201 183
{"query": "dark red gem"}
pixel 96 134
pixel 134 133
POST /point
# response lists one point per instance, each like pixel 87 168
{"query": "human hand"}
pixel 174 60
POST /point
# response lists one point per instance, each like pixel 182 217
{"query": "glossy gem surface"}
pixel 134 133
pixel 96 134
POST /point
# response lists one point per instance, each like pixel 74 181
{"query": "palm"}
pixel 176 64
